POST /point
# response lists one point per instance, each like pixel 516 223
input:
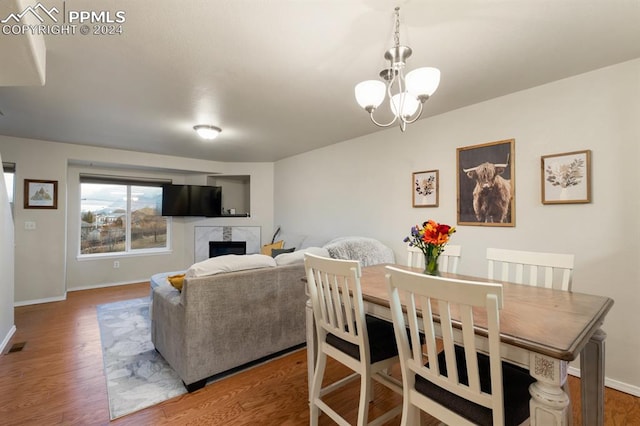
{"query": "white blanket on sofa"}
pixel 368 251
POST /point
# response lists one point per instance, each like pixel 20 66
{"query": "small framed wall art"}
pixel 566 178
pixel 40 194
pixel 425 188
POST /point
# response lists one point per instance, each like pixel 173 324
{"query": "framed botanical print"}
pixel 486 184
pixel 425 188
pixel 566 178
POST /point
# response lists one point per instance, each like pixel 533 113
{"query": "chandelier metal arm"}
pixel 380 124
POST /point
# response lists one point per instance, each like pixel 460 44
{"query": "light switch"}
pixel 29 226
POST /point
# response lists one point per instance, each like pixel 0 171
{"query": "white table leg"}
pixel 549 403
pixel 592 379
pixel 311 344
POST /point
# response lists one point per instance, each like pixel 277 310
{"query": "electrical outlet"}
pixel 29 225
pixel 116 264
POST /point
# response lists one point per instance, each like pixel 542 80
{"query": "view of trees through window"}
pixel 121 218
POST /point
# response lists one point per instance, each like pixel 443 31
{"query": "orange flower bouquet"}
pixel 430 239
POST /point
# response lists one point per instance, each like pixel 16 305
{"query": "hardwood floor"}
pixel 58 379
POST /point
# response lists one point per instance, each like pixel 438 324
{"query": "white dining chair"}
pixel 460 385
pixel 448 260
pixel 345 333
pixel 550 270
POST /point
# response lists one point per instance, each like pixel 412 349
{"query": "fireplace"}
pixel 219 248
pixel 203 234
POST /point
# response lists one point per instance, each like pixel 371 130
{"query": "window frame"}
pixel 128 182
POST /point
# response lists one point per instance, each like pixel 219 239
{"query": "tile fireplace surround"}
pixel 204 234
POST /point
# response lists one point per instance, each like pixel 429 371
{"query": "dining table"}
pixel 541 330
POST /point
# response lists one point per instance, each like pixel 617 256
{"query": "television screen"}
pixel 191 200
pixel 205 200
pixel 175 200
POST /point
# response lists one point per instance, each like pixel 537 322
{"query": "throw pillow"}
pixel 275 252
pixel 266 249
pixel 176 281
pixel 298 256
pixel 230 263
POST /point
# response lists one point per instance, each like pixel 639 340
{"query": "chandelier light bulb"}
pixel 206 131
pixel 423 82
pixel 370 94
pixel 404 105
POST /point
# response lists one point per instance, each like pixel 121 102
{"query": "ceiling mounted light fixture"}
pixel 407 93
pixel 206 131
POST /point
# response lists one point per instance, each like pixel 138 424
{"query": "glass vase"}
pixel 431 264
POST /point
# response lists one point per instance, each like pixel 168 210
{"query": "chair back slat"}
pixel 448 305
pixel 519 268
pixel 469 343
pixel 341 292
pixel 429 331
pixel 550 270
pixel 448 340
pixel 326 303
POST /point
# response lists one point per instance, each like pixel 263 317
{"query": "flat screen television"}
pixel 191 200
pixel 175 200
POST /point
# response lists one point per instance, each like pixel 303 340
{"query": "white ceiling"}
pixel 278 75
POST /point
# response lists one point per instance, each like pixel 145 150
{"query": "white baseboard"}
pixel 7 338
pixel 38 301
pixel 610 383
pixel 89 287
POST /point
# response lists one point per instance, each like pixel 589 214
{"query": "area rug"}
pixel 137 376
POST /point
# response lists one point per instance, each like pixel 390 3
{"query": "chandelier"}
pixel 407 93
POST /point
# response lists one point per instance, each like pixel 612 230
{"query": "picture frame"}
pixel 425 188
pixel 566 178
pixel 40 194
pixel 486 184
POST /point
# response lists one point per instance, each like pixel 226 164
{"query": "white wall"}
pixel 363 187
pixel 7 326
pixel 46 263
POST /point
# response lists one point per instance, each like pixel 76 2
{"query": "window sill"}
pixel 99 256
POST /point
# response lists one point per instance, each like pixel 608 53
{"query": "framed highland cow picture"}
pixel 486 184
pixel 425 188
pixel 566 178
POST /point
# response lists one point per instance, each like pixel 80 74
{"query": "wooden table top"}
pixel 551 322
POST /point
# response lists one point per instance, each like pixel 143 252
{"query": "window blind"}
pixel 123 180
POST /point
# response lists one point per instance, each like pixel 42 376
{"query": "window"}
pixel 118 216
pixel 9 175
